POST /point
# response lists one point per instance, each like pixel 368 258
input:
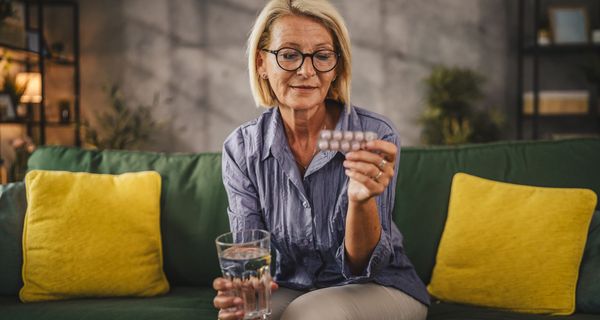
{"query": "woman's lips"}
pixel 303 88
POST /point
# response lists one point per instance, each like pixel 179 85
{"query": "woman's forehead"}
pixel 300 31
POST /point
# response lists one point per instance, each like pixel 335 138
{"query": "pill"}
pixel 325 134
pixel 337 135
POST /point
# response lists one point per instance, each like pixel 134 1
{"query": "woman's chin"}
pixel 303 104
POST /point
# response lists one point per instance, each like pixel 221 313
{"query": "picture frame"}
pixel 7 107
pixel 12 26
pixel 569 24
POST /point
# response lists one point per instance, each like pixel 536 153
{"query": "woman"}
pixel 339 256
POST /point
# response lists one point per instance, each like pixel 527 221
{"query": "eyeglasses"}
pixel 290 59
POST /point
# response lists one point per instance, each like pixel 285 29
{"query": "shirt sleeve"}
pixel 383 252
pixel 244 205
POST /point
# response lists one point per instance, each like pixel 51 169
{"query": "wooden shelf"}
pixel 18 49
pixel 12 122
pixel 562 49
pixel 561 117
pixel 38 123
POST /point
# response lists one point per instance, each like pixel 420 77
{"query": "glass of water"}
pixel 245 259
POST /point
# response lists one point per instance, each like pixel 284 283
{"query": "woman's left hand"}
pixel 370 170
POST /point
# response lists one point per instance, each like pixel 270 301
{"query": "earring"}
pixel 334 79
pixel 264 76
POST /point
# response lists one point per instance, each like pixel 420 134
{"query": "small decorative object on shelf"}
pixel 7 108
pixel 569 25
pixel 64 107
pixel 543 37
pixel 596 36
pixel 23 148
pixel 3 172
pixel 12 23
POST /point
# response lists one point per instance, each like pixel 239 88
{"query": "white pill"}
pixel 326 134
pixel 355 145
pixel 348 135
pixel 345 146
pixel 334 145
pixel 323 144
pixel 337 135
pixel 359 135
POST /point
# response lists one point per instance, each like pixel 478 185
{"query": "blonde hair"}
pixel 320 10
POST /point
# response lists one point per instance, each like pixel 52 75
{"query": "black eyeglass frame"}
pixel 304 55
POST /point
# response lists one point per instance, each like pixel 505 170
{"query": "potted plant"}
pixel 121 126
pixel 452 115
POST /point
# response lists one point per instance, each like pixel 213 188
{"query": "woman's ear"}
pixel 261 67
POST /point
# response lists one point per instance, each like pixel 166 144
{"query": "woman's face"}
pixel 306 87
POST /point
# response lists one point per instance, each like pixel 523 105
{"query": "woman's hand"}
pixel 370 170
pixel 230 307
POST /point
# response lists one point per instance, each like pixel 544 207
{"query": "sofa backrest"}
pixel 194 201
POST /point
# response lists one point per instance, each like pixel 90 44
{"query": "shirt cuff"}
pixel 379 259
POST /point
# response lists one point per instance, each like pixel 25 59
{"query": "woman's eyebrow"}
pixel 293 44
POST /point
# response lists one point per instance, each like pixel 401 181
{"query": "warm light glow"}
pixel 33 91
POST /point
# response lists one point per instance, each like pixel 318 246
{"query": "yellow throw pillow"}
pixel 512 246
pixel 92 235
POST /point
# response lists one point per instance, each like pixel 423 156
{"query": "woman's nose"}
pixel 307 69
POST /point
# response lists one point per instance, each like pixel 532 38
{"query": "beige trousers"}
pixel 350 302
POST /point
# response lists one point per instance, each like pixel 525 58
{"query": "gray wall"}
pixel 192 52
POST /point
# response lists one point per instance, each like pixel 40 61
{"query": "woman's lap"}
pixel 354 301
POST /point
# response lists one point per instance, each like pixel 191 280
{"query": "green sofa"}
pixel 194 213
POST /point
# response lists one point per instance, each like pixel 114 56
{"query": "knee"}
pixel 317 307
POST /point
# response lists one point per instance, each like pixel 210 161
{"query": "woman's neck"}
pixel 302 127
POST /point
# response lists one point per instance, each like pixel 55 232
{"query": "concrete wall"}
pixel 192 53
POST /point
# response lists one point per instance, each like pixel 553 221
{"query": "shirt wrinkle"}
pixel 306 214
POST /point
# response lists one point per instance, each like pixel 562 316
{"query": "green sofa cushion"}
pixel 588 284
pixel 180 303
pixel 13 205
pixel 193 204
pixel 425 177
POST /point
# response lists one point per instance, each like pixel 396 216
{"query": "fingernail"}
pixel 346 163
pixel 238 301
pixel 347 172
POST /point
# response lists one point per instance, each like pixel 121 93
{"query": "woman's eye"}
pixel 289 55
pixel 323 56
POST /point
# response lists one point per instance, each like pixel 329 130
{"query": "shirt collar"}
pixel 275 135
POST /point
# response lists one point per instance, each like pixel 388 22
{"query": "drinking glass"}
pixel 245 259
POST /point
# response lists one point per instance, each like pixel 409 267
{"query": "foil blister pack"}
pixel 334 140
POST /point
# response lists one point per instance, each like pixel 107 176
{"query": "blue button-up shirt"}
pixel 306 214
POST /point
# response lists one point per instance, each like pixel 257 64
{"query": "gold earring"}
pixel 264 76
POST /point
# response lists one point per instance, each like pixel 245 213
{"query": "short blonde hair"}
pixel 323 12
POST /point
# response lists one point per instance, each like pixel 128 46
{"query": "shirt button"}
pixel 305 204
pixel 305 242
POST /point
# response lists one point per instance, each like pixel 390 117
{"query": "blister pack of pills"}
pixel 334 140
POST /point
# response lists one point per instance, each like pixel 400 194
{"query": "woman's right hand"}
pixel 230 307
